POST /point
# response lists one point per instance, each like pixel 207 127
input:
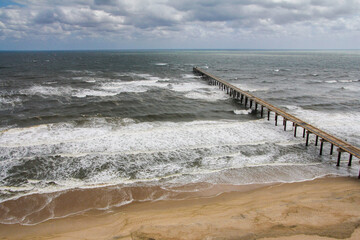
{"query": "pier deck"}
pixel 236 92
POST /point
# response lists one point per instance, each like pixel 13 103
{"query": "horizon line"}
pixel 182 49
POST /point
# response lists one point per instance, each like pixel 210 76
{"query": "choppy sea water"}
pixel 103 129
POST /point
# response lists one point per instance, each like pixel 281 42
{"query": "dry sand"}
pixel 327 208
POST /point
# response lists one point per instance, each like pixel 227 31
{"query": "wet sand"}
pixel 327 208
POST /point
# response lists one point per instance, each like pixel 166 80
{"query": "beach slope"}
pixel 326 208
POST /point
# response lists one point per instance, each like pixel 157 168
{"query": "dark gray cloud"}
pixel 187 19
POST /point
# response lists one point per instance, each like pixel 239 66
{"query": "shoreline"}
pixel 324 208
pixel 33 209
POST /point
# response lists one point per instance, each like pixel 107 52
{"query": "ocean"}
pixel 94 130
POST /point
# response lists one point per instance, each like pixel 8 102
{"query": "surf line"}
pixel 254 102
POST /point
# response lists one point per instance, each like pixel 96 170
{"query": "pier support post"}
pixel 295 129
pixel 338 160
pixel 331 149
pixel 227 90
pixel 262 111
pixel 339 156
pixel 304 132
pixel 276 117
pixel 269 115
pixel 316 140
pixel 307 138
pixel 321 146
pixel 251 102
pixel 246 100
pixel 256 106
pixel 284 123
pixel 241 98
pixel 350 160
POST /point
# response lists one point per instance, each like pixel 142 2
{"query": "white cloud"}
pixel 189 20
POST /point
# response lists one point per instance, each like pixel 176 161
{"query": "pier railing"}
pixel 246 97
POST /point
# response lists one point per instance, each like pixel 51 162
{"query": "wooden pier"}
pixel 247 98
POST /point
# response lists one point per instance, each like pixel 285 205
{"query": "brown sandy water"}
pixel 36 208
pixel 326 208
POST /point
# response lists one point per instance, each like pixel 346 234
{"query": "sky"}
pixel 179 24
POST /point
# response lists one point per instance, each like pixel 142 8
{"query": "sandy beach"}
pixel 326 208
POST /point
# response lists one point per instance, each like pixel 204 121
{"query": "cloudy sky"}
pixel 144 24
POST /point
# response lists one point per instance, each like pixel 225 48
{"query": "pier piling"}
pixel 321 145
pixel 350 160
pixel 307 138
pixel 339 156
